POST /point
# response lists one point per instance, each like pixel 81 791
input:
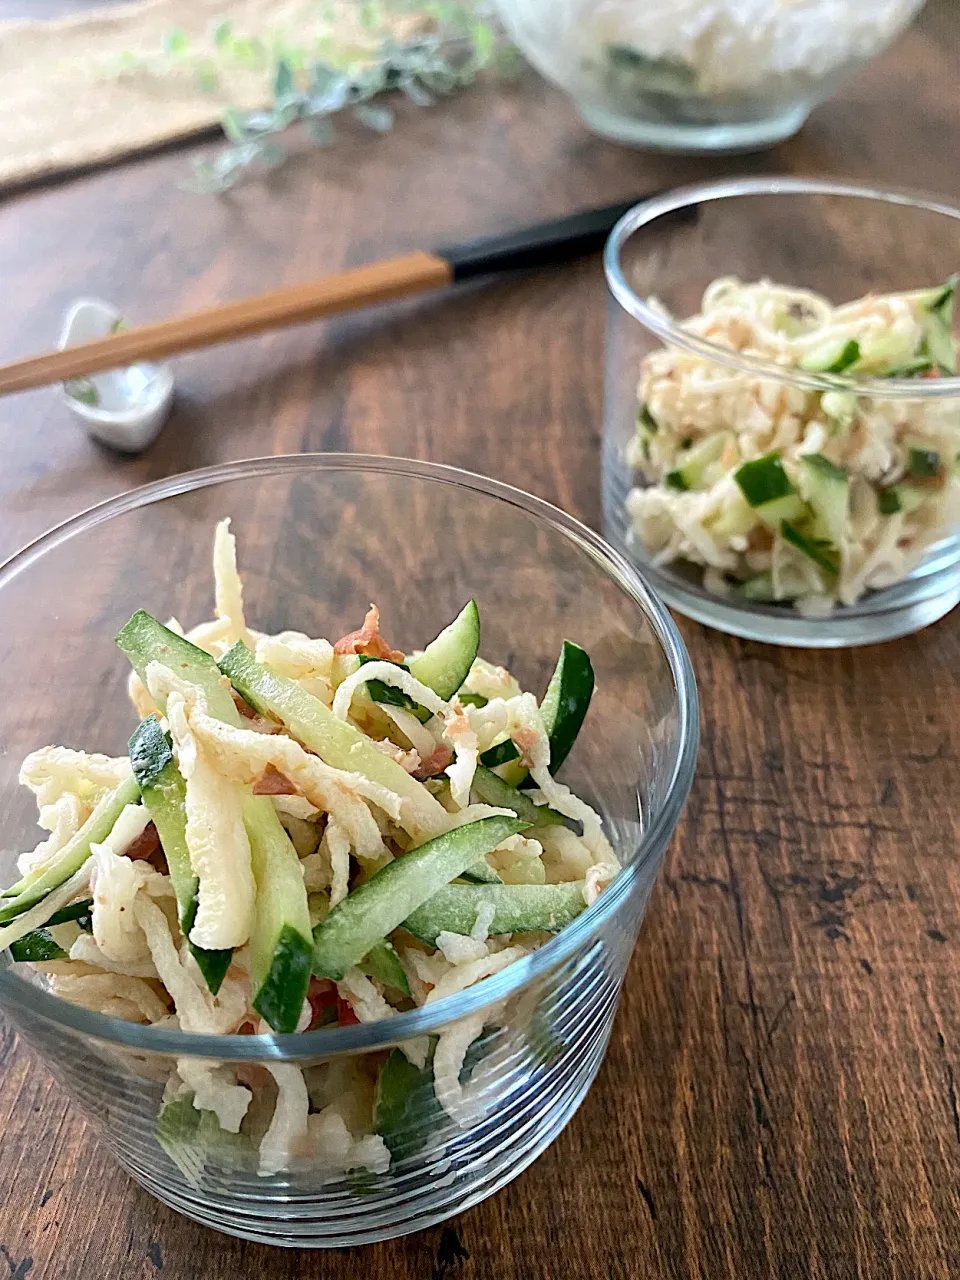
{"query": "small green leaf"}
pixel 370 15
pixel 119 325
pixel 82 389
pixel 284 87
pixel 207 75
pixel 234 124
pixel 483 43
pixel 176 43
pixel 223 34
pixel 248 51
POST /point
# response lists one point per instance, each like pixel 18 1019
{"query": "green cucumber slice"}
pixel 567 701
pixel 281 942
pixel 923 463
pixel 735 519
pixel 939 342
pixel 832 357
pixel 481 873
pixel 381 692
pixel 38 945
pixel 374 909
pixel 405 1108
pixel 911 368
pixel 144 640
pixel 164 794
pixel 490 788
pixel 758 588
pixel 38 883
pixel 446 661
pixel 383 963
pixel 828 492
pixel 518 908
pixel 79 911
pixel 901 497
pixel 647 421
pixel 792 507
pixel 311 722
pixel 888 501
pixel 823 553
pixel 564 708
pixel 695 466
pixel 763 480
pixel 501 753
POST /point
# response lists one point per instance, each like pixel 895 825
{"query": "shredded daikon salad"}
pixel 787 494
pixel 227 878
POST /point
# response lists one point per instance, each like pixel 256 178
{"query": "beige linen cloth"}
pixel 65 107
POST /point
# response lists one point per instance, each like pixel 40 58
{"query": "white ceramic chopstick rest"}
pixel 122 408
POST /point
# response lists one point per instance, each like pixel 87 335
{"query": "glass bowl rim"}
pixel 671 332
pixel 325 1042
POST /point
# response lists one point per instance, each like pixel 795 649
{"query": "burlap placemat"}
pixel 67 106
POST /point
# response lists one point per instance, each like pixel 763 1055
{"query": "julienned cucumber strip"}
pixel 164 794
pixel 500 754
pixel 145 640
pixel 518 908
pixel 405 1106
pixel 939 342
pixel 79 911
pixel 564 708
pixel 35 886
pixel 281 944
pixel 383 963
pixel 191 1138
pixel 372 911
pixel 446 661
pixel 38 945
pixel 387 694
pixel 832 357
pixel 281 917
pixel 480 873
pixel 335 741
pixel 567 701
pixel 490 788
pixel 823 553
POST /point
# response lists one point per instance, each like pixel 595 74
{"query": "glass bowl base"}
pixel 652 135
pixel 301 1222
pixel 791 630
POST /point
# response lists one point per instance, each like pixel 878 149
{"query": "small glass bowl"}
pixel 320 536
pixel 838 239
pixel 682 75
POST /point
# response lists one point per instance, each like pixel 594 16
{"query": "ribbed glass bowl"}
pixel 838 239
pixel 320 536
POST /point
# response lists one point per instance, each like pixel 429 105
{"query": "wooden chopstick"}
pixel 348 290
pixel 544 244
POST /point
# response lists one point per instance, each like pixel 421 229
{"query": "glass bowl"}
pixel 320 537
pixel 701 75
pixel 840 240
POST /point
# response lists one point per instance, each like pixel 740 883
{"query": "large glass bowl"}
pixel 320 537
pixel 701 75
pixel 838 239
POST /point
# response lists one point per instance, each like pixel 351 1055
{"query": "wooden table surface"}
pixel 781 1092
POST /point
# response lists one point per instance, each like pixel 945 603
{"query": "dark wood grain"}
pixel 782 1093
